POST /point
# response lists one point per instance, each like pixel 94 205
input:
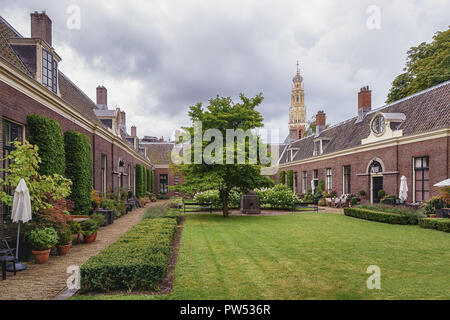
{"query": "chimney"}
pixel 124 119
pixel 364 103
pixel 41 27
pixel 102 96
pixel 133 131
pixel 321 122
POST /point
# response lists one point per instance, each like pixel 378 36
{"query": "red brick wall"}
pixel 398 158
pixel 16 106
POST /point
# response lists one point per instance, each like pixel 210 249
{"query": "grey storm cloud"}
pixel 157 58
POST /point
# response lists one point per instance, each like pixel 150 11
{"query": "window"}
pixel 305 182
pixel 329 180
pixel 316 148
pixel 103 173
pixel 316 178
pixel 49 71
pixel 163 183
pixel 422 179
pixel 347 180
pixel 11 132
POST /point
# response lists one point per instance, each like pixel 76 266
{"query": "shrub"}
pixel 398 210
pixel 47 135
pixel 119 207
pixel 145 181
pixel 213 197
pixel 278 197
pixel 65 237
pixel 43 239
pixel 381 194
pixel 137 261
pixel 75 227
pixel 79 170
pixel 89 227
pixel 362 193
pixel 436 224
pixel 386 217
pixel 322 202
pixel 290 179
pixel 101 220
pixel 176 202
pixel 282 177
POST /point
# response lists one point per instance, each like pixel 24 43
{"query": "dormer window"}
pixel 317 148
pixel 49 71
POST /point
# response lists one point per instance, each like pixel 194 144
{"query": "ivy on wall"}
pixel 47 135
pixel 290 179
pixel 79 166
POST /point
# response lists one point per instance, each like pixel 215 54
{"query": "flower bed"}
pixel 137 261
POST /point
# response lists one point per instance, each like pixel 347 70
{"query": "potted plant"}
pixel 89 230
pixel 64 242
pixel 75 229
pixel 42 241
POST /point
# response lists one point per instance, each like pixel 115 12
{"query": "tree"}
pixel 427 65
pixel 223 114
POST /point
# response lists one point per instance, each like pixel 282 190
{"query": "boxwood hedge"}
pixel 47 135
pixel 140 182
pixel 136 262
pixel 436 224
pixel 386 217
pixel 79 170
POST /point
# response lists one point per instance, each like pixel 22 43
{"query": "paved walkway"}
pixel 45 282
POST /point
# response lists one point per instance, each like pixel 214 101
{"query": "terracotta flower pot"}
pixel 41 257
pixel 90 239
pixel 62 250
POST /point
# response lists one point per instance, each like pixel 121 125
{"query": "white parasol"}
pixel 21 212
pixel 403 195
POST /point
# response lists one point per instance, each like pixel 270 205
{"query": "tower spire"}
pixel 298 67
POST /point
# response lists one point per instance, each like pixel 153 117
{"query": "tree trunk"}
pixel 225 198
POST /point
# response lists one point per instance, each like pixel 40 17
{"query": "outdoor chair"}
pixel 6 252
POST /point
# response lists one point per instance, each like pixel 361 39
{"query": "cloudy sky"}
pixel 158 57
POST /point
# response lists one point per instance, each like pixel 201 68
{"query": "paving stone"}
pixel 45 282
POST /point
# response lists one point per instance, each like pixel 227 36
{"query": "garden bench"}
pixel 198 206
pixel 306 205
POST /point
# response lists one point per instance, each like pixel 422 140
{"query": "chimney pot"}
pixel 41 27
pixel 133 131
pixel 102 96
pixel 321 122
pixel 364 102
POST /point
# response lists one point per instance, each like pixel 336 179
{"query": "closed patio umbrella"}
pixel 21 212
pixel 313 186
pixel 403 189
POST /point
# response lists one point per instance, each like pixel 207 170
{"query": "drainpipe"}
pixel 93 158
pixel 112 166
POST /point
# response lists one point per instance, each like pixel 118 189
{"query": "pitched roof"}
pixel 6 52
pixel 425 111
pixel 159 153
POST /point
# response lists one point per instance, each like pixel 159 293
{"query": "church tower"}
pixel 297 113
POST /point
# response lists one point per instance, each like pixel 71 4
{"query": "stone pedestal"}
pixel 250 204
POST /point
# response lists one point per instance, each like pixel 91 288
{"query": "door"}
pixel 377 185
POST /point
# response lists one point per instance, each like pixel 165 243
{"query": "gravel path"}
pixel 45 282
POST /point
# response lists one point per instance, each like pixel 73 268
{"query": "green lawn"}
pixel 307 256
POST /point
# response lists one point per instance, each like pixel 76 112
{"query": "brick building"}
pixel 373 150
pixel 30 83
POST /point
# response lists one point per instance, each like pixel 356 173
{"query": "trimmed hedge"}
pixel 163 212
pixel 282 177
pixel 47 135
pixel 149 180
pixel 436 224
pixel 137 261
pixel 385 217
pixel 152 182
pixel 140 186
pixel 290 179
pixel 79 166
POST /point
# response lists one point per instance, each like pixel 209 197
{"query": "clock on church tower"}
pixel 297 113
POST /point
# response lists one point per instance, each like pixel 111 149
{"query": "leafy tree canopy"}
pixel 427 65
pixel 223 114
